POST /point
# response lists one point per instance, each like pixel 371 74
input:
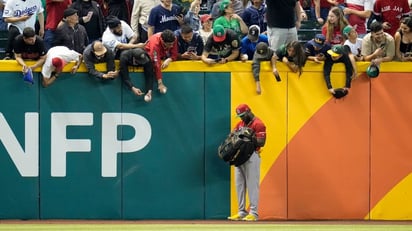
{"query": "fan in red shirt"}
pixel 390 12
pixel 162 46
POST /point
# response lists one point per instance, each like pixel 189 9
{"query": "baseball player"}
pixel 247 175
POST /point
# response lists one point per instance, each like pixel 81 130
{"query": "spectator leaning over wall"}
pixel 19 15
pixel 57 58
pixel 29 46
pixel 263 53
pixel 163 49
pixel 137 57
pixel 339 54
pixel 97 52
pixel 221 47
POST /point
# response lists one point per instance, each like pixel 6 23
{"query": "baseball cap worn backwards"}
pixel 219 33
pixel 112 21
pixel 140 56
pixel 242 109
pixel 58 63
pixel 99 49
pixel 223 5
pixel 336 51
pixel 346 31
pixel 253 33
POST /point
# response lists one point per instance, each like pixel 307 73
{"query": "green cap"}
pixel 336 51
pixel 347 30
pixel 372 71
pixel 219 33
pixel 223 5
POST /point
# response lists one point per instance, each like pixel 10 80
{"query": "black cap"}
pixel 253 33
pixel 112 21
pixel 69 12
pixel 139 56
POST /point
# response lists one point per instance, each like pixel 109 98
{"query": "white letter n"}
pixel 27 163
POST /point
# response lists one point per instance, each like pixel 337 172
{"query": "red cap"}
pixel 242 109
pixel 205 17
pixel 219 33
pixel 58 63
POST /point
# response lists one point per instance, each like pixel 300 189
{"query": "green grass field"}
pixel 307 226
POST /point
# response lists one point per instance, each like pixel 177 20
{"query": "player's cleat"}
pixel 250 217
pixel 235 217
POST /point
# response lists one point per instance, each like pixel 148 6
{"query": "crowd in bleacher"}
pixel 216 32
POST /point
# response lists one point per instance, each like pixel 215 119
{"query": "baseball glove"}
pixel 340 93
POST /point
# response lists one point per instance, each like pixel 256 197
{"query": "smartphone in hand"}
pixel 277 76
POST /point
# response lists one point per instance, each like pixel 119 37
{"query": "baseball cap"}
pixel 347 30
pixel 318 41
pixel 242 109
pixel 253 33
pixel 139 56
pixel 112 21
pixel 28 76
pixel 205 17
pixel 223 5
pixel 69 12
pixel 336 51
pixel 219 33
pixel 372 71
pixel 58 63
pixel 99 49
pixel 262 50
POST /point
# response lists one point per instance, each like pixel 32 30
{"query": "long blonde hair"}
pixel 341 22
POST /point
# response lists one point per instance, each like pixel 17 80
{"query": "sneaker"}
pixel 235 217
pixel 250 217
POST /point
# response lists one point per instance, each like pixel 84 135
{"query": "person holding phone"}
pixel 190 44
pixel 378 46
pixel 221 47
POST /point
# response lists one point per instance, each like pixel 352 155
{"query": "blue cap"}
pixel 28 76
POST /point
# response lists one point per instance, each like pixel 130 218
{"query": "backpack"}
pixel 238 146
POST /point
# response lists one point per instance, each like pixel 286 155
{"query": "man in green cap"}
pixel 339 54
pixel 221 47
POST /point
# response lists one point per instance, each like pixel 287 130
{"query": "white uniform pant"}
pixel 247 176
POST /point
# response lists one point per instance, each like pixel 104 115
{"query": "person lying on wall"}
pixel 293 55
pixel 221 47
pixel 339 54
pixel 57 58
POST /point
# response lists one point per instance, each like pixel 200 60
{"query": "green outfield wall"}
pixel 84 148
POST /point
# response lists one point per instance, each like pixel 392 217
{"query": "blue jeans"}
pixel 3 24
pixel 48 39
